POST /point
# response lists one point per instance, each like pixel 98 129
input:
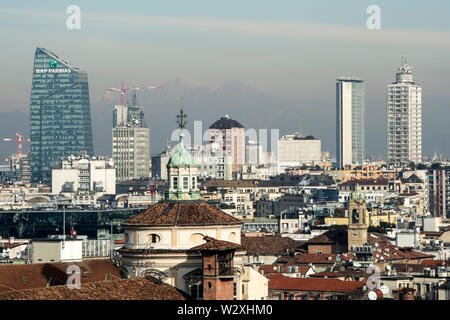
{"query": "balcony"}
pixel 227 272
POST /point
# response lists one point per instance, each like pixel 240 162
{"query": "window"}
pixel 185 183
pixel 153 238
pixel 225 264
pixel 193 183
pixel 197 291
pixel 175 183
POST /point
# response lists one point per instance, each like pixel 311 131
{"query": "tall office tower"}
pixel 60 114
pixel 439 191
pixel 230 134
pixel 404 118
pixel 130 143
pixel 350 127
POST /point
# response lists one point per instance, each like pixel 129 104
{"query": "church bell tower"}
pixel 357 219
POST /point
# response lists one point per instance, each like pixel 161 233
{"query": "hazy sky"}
pixel 293 50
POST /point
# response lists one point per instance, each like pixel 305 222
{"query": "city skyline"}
pixel 197 42
pixel 247 152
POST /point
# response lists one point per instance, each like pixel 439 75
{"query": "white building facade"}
pixel 230 134
pixel 350 121
pixel 295 150
pixel 404 118
pixel 84 178
pixel 130 144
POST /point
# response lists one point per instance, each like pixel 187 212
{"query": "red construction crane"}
pixel 122 91
pixel 20 139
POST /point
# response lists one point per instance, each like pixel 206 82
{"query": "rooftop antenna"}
pixel 134 101
pixel 167 142
pixel 403 57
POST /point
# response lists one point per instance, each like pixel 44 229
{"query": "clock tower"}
pixel 357 219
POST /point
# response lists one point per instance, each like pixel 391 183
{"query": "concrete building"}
pixel 130 143
pixel 350 121
pixel 254 154
pixel 230 134
pixel 439 191
pixel 212 162
pixel 404 117
pixel 57 250
pixel 84 178
pixel 159 164
pixel 295 150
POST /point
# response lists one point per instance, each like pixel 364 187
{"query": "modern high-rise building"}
pixel 404 117
pixel 60 114
pixel 230 134
pixel 350 121
pixel 130 143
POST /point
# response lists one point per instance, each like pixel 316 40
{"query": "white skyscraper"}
pixel 404 118
pixel 350 127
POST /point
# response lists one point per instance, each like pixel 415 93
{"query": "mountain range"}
pixel 249 106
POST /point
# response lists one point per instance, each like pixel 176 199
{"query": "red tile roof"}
pixel 269 269
pixel 323 258
pixel 14 245
pixel 328 274
pixel 214 244
pixel 28 276
pixel 334 236
pixel 122 289
pixel 280 282
pixel 182 213
pixel 436 263
pixel 364 182
pixel 269 245
pixel 384 250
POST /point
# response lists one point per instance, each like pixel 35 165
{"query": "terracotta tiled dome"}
pixel 182 213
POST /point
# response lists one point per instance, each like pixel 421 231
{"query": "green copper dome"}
pixel 357 194
pixel 182 157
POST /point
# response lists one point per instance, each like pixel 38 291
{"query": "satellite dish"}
pixel 372 295
pixel 384 289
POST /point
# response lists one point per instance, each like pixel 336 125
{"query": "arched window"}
pixel 232 237
pixel 153 238
pixel 355 216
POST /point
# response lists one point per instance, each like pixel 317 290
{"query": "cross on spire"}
pixel 181 119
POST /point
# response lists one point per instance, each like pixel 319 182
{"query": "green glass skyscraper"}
pixel 60 114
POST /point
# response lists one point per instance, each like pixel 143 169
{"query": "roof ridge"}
pixel 205 211
pixel 177 215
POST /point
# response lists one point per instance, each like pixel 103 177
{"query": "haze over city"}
pixel 290 51
pixel 220 151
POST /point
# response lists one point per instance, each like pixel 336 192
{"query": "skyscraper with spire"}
pixel 404 117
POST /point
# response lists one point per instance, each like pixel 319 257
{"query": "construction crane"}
pixel 122 91
pixel 20 139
